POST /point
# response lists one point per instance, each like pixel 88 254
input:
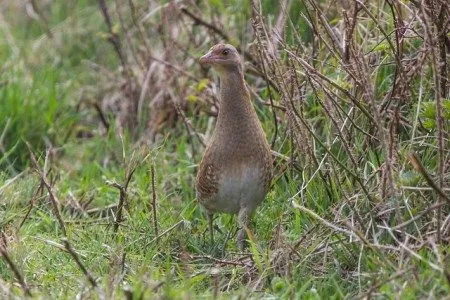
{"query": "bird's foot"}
pixel 242 242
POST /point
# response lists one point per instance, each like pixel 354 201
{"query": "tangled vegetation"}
pixel 105 112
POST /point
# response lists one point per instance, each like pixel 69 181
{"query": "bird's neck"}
pixel 235 107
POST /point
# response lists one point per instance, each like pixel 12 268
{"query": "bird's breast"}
pixel 239 186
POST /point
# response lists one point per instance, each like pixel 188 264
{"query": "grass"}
pixel 333 224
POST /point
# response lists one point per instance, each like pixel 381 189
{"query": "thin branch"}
pixel 79 263
pixel 417 164
pixel 419 215
pixel 155 220
pixel 51 194
pixel 15 270
pixel 176 225
pixel 325 222
pixel 113 37
pixel 200 21
pixel 122 197
pixel 32 201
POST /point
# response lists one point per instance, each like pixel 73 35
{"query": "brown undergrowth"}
pixel 355 104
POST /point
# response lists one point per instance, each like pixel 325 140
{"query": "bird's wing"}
pixel 207 179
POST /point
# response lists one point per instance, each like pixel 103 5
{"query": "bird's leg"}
pixel 244 222
pixel 209 215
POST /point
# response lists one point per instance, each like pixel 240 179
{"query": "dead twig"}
pixel 79 263
pixel 266 78
pixel 239 262
pixel 176 225
pixel 200 21
pixel 102 116
pixel 113 37
pixel 438 61
pixel 51 193
pixel 419 215
pixel 32 201
pixel 153 203
pixel 373 288
pixel 16 272
pixel 417 164
pixel 122 197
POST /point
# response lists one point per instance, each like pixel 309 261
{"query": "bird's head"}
pixel 223 57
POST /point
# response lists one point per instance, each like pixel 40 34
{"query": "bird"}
pixel 235 172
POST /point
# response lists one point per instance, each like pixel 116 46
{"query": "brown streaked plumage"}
pixel 236 169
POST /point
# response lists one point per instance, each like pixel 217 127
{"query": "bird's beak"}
pixel 207 58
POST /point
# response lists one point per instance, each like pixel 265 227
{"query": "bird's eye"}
pixel 225 52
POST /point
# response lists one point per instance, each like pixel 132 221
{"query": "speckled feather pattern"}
pixel 236 170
